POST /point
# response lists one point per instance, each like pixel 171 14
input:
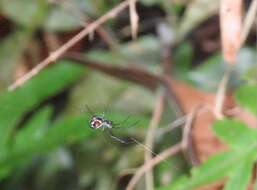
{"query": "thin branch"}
pixel 173 125
pixel 187 136
pixel 151 163
pixel 249 19
pixel 133 18
pixel 221 93
pixel 134 74
pixel 187 128
pixel 178 122
pixel 156 117
pixel 84 20
pixel 59 52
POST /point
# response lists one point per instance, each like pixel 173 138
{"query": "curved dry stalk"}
pixel 153 162
pixel 187 129
pixel 221 93
pixel 178 122
pixel 187 135
pixel 156 117
pixel 60 51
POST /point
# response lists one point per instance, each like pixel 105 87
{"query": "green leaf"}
pixel 250 74
pixel 67 131
pixel 47 83
pixel 207 75
pixel 74 13
pixel 22 139
pixel 215 168
pixel 241 175
pixel 183 58
pixel 58 14
pixel 230 163
pixel 11 50
pixel 28 13
pixel 194 15
pixel 150 2
pixel 35 129
pixel 246 96
pixel 145 50
pixel 235 133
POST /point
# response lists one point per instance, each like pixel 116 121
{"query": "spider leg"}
pixel 117 126
pixel 85 108
pixel 123 121
pixel 89 110
pixel 123 141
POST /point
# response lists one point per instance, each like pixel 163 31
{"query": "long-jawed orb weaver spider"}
pixel 99 122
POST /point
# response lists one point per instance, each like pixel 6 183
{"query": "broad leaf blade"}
pixel 235 133
pixel 208 74
pixel 34 130
pixel 27 13
pixel 240 176
pixel 246 95
pixel 22 139
pixel 215 168
pixel 67 131
pixel 47 83
pixel 11 49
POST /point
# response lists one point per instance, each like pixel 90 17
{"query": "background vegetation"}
pixel 45 139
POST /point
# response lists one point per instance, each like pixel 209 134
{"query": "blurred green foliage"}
pixel 16 103
pixel 40 143
pixel 246 96
pixel 237 163
pixel 207 76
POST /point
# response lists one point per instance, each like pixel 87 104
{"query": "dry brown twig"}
pixel 186 143
pixel 60 51
pixel 187 129
pixel 221 93
pixel 182 120
pixel 151 163
pixel 173 125
pixel 84 20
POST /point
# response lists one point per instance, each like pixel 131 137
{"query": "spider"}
pixel 99 122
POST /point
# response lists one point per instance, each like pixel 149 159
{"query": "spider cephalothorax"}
pixel 97 122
